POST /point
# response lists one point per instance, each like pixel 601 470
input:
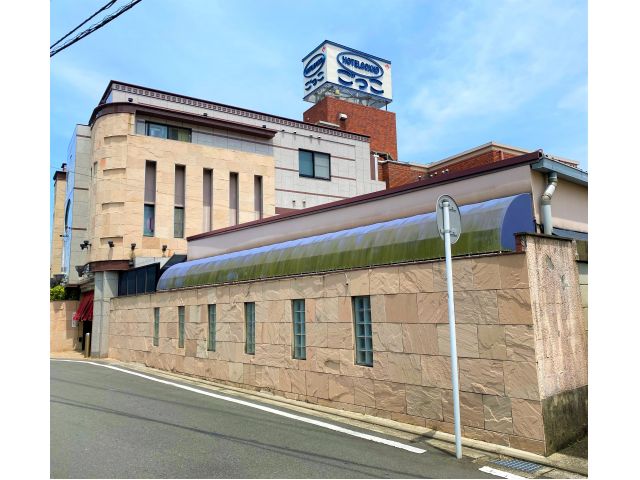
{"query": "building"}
pixel 344 305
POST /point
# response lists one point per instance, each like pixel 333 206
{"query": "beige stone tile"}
pixel 363 392
pixel 403 368
pixel 466 340
pixel 513 271
pixel 245 292
pixel 378 314
pixel 486 273
pixel 520 343
pixel 348 366
pixel 298 381
pixel 419 338
pixel 384 280
pixel 462 275
pixel 436 371
pixel 389 396
pixel 326 360
pixel 341 389
pixel 235 373
pixel 311 286
pixel 521 380
pixel 317 384
pixel 358 282
pixel 497 414
pixel 481 376
pixel 477 307
pixel 316 334
pixel 527 444
pixel 276 311
pixel 327 310
pixel 335 285
pixel 514 306
pixel 424 402
pixel 340 335
pixel 401 308
pixel 267 377
pixel 432 307
pixel 249 374
pixel 527 418
pixel 387 337
pixel 267 354
pixel 491 342
pixel 416 278
pixel 471 408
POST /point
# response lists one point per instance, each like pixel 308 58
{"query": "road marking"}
pixel 318 423
pixel 500 473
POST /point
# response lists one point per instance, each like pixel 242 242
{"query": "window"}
pixel 250 328
pixel 167 131
pixel 156 326
pixel 149 199
pixel 233 199
pixel 211 344
pixel 299 339
pixel 257 196
pixel 178 209
pixel 138 280
pixel 362 323
pixel 207 199
pixel 314 164
pixel 181 327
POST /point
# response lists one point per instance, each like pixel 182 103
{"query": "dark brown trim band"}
pixel 108 265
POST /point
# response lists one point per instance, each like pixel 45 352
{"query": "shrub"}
pixel 57 293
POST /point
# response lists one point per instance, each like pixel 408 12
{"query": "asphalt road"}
pixel 109 424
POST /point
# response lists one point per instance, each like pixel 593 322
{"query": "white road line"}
pixel 500 473
pixel 318 423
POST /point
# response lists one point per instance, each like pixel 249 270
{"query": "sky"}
pixel 464 73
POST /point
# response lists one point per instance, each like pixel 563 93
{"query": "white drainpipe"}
pixel 545 203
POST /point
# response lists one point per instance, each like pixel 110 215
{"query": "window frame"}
pixel 148 124
pixel 211 322
pixel 313 164
pixel 299 349
pixel 156 326
pixel 362 318
pixel 181 326
pixel 250 328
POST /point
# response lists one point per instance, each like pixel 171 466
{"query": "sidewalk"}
pixel 570 462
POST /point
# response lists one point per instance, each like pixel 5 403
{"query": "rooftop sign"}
pixel 342 72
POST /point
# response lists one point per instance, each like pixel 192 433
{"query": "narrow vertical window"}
pixel 150 199
pixel 250 328
pixel 211 344
pixel 233 199
pixel 181 327
pixel 156 326
pixel 257 196
pixel 178 209
pixel 207 199
pixel 299 339
pixel 362 324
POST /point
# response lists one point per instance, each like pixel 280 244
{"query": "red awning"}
pixel 85 308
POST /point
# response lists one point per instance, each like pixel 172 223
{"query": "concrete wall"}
pixel 583 278
pixel 62 336
pixel 498 346
pixel 59 194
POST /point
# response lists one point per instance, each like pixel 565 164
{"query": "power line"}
pixel 95 27
pixel 108 5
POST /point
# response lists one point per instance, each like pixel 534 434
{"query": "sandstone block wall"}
pixel 410 378
pixel 62 336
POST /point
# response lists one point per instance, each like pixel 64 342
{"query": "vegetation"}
pixel 61 293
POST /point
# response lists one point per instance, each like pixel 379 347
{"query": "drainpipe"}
pixel 545 203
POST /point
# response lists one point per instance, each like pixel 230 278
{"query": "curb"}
pixel 565 462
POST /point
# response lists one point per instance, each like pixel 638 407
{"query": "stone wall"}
pixel 410 378
pixel 62 336
pixel 560 337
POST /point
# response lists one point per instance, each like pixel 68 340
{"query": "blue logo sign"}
pixel 314 65
pixel 359 71
pixel 360 65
